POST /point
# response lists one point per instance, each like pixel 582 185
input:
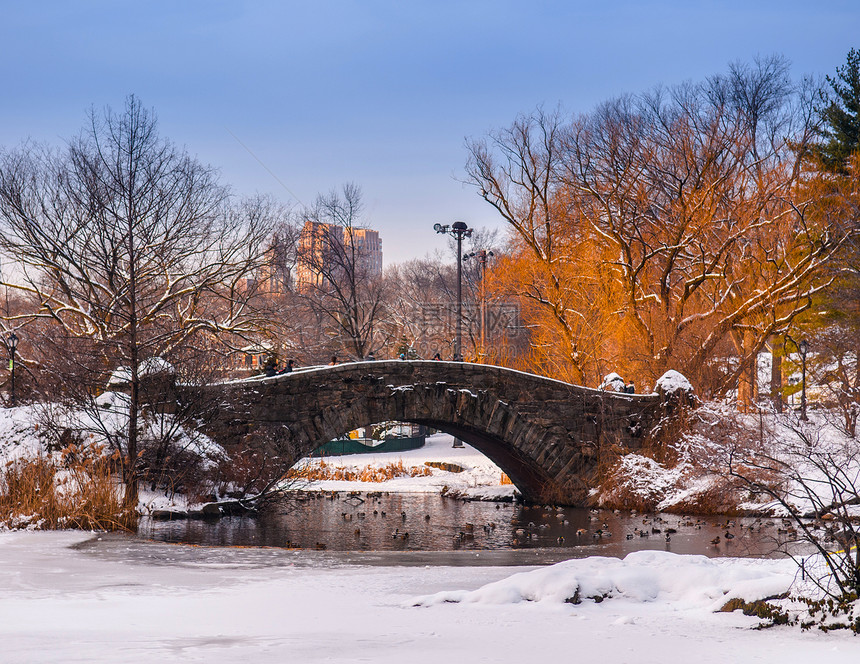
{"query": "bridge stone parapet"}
pixel 546 435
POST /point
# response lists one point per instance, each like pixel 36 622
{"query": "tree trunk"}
pixel 747 378
pixel 776 352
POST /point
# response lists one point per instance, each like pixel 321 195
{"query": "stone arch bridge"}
pixel 546 435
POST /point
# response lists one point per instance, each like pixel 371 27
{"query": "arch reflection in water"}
pixel 429 522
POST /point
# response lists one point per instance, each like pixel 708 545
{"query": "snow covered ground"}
pixel 480 477
pixel 65 597
pixel 81 597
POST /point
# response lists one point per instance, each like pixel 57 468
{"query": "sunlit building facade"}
pixel 324 249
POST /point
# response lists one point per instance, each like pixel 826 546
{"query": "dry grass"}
pixel 81 490
pixel 505 480
pixel 445 465
pixel 324 471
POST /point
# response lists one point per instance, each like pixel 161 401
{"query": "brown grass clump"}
pixel 324 471
pixel 80 490
pixel 445 465
pixel 615 496
pixel 505 480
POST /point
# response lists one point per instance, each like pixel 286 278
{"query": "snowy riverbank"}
pixel 480 478
pixel 66 597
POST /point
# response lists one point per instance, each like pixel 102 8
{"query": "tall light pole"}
pixel 13 344
pixel 482 255
pixel 458 230
pixel 803 348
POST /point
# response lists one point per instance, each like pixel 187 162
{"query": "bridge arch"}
pixel 546 435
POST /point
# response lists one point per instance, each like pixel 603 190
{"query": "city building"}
pixel 328 249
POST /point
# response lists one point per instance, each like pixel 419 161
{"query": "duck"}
pixel 716 540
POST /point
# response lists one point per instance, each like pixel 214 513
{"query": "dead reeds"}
pixel 78 489
pixel 324 471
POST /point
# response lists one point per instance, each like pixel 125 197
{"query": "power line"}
pixel 268 170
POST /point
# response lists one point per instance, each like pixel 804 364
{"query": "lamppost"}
pixel 802 348
pixel 482 255
pixel 458 230
pixel 13 344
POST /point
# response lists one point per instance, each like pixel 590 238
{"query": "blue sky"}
pixel 383 94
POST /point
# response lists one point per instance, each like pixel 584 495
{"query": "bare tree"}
pixel 815 481
pixel 518 171
pixel 417 314
pixel 129 244
pixel 339 275
pixel 423 308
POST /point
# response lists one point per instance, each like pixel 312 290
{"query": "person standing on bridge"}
pixel 289 368
pixel 437 357
pixel 333 362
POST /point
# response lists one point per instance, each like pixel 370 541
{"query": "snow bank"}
pixel 645 481
pixel 123 600
pixel 20 437
pixel 152 366
pixel 685 582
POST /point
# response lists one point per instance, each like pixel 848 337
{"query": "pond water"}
pixel 506 533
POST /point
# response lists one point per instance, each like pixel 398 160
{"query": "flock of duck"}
pixel 550 519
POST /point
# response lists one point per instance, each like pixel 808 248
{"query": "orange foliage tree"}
pixel 664 230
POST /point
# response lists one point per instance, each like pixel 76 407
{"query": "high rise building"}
pixel 327 250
